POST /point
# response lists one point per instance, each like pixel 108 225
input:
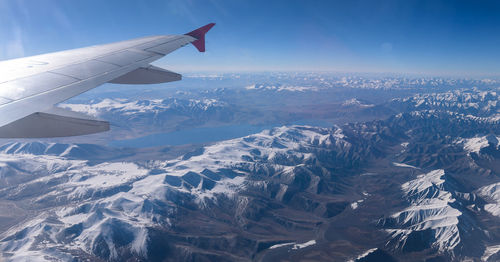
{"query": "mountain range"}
pixel 420 183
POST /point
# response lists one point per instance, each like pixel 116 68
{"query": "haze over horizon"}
pixel 423 37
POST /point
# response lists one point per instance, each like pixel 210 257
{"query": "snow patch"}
pixel 355 205
pixel 475 144
pixel 403 165
pixel 491 194
pixel 490 251
pixel 282 245
pixel 295 245
pixel 304 245
pixel 356 102
pixel 366 253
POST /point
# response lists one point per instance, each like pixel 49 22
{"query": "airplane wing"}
pixel 31 86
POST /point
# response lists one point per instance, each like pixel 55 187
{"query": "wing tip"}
pixel 199 34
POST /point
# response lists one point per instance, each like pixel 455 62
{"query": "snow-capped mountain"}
pixel 156 115
pixel 155 106
pixel 430 220
pixel 391 82
pixel 356 103
pixel 280 88
pixel 112 210
pixel 72 151
pixel 476 144
pixel 468 102
pixel 420 184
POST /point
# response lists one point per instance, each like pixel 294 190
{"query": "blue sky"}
pixel 434 37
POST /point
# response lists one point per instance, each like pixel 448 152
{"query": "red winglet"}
pixel 199 34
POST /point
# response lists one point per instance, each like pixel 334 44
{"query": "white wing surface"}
pixel 31 86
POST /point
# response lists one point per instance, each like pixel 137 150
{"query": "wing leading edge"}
pixel 31 86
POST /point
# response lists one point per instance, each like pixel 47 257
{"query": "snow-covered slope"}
pixel 134 107
pixel 491 194
pixel 469 102
pixel 430 213
pixel 475 144
pixel 74 151
pixel 108 210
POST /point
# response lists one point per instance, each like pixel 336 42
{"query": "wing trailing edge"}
pixel 56 122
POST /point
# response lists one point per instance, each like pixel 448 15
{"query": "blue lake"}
pixel 191 136
pixel 201 135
